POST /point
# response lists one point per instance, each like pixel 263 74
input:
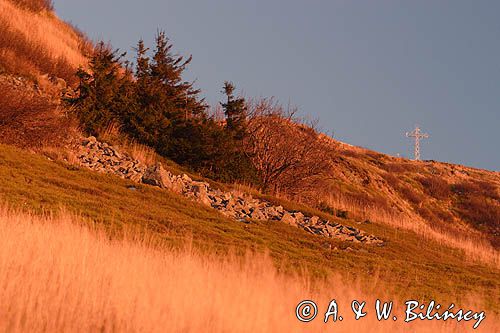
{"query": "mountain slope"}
pixel 437 219
pixel 451 199
pixel 39 54
pixel 34 42
pixel 409 264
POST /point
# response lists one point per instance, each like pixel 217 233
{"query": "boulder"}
pixel 157 176
pixel 289 219
pixel 199 190
pixel 258 215
pixel 135 177
pixel 314 220
pixel 186 178
pixel 91 140
pixel 298 216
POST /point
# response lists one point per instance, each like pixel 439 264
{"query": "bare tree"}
pixel 287 153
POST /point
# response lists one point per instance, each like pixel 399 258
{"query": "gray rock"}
pixel 156 176
pixel 200 192
pixel 186 178
pixel 298 216
pixel 289 219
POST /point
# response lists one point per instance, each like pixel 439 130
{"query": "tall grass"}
pixel 35 43
pixel 58 275
pixel 474 245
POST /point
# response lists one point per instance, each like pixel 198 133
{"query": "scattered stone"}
pixel 102 157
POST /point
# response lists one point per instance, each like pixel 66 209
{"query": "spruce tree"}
pixel 235 110
pixel 179 98
pixel 234 163
pixel 102 92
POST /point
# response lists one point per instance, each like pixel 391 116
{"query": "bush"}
pixel 30 120
pixel 428 215
pixel 478 203
pixel 465 188
pixel 411 194
pixel 480 212
pixel 343 214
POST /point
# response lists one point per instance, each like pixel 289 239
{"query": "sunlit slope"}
pixel 57 276
pixel 37 42
pixel 409 265
pixel 453 200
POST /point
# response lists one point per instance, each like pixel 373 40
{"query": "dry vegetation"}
pixel 474 245
pixel 33 41
pixel 287 153
pixel 31 120
pixel 409 264
pixel 366 186
pixel 59 275
pixel 35 5
pixel 39 55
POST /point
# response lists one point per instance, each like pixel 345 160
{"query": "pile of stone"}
pixel 102 157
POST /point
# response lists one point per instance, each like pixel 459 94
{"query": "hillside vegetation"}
pixel 130 284
pixel 39 55
pixel 409 264
pixel 261 143
pixel 440 222
pixel 33 41
pixel 439 197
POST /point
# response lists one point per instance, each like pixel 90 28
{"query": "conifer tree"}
pixel 146 120
pixel 235 110
pixel 178 96
pixel 103 90
pixel 235 163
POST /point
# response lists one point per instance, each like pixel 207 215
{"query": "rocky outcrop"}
pixel 102 157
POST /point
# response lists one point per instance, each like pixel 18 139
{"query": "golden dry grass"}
pixel 28 34
pixel 474 245
pixel 58 275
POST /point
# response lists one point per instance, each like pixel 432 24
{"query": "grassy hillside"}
pixel 147 290
pixel 39 54
pixel 409 265
pixel 440 222
pixel 447 200
pixel 34 41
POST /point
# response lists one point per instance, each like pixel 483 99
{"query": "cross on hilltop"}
pixel 418 135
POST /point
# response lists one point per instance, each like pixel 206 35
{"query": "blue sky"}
pixel 368 70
